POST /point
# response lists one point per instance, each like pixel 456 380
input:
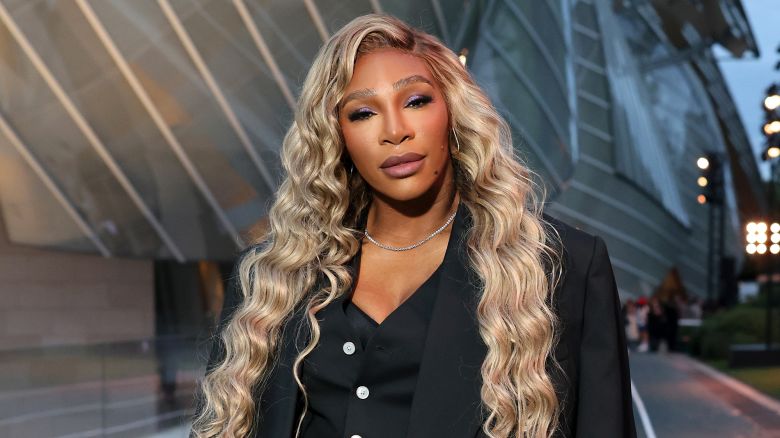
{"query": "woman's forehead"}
pixel 386 67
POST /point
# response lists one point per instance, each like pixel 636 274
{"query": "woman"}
pixel 409 284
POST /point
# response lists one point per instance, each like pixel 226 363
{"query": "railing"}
pixel 136 388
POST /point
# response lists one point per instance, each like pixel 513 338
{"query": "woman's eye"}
pixel 418 101
pixel 360 114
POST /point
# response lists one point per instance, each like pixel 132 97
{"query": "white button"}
pixel 356 436
pixel 348 348
pixel 362 392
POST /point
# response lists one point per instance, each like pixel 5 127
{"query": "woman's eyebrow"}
pixel 368 92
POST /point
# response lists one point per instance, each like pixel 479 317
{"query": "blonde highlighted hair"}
pixel 312 235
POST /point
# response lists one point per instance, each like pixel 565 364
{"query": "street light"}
pixel 772 100
pixel 772 127
pixel 761 238
pixel 758 240
pixel 771 105
pixel 710 182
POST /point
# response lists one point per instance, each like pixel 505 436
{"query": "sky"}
pixel 749 77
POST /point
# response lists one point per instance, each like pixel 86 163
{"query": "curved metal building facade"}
pixel 152 129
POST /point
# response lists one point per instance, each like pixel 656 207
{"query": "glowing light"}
pixel 773 152
pixel 750 248
pixel 761 227
pixel 774 249
pixel 775 238
pixel 772 127
pixel 760 238
pixel 751 227
pixel 702 199
pixel 702 181
pixel 761 248
pixel 703 163
pixel 751 238
pixel 462 56
pixel 772 102
pixel 775 227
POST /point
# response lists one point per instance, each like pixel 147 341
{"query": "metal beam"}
pixel 438 12
pixel 87 130
pixel 50 184
pixel 316 17
pixel 376 6
pixel 211 83
pixel 265 52
pixel 154 113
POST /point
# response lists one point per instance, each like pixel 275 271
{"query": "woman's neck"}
pixel 402 222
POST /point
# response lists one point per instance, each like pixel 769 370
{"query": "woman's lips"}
pixel 404 169
pixel 400 159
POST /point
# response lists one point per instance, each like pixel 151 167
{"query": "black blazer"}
pixel 595 390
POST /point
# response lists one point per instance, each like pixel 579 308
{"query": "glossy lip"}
pixel 401 159
pixel 404 167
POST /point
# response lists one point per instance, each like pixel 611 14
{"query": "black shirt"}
pixel 361 377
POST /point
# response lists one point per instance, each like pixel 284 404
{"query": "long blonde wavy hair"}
pixel 312 235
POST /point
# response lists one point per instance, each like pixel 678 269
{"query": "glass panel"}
pixel 513 99
pixel 30 213
pixel 190 109
pixel 593 82
pixel 418 14
pixel 594 115
pixel 548 26
pixel 520 50
pixel 589 49
pixel 73 56
pixel 583 14
pixel 596 147
pixel 337 13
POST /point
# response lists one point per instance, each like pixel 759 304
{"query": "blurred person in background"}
pixel 641 321
pixel 631 319
pixel 657 323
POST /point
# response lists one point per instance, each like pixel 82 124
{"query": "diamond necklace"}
pixel 414 245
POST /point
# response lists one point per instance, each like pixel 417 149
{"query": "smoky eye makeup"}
pixel 415 101
pixel 359 114
pixel 419 100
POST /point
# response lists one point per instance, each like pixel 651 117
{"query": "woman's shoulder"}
pixel 578 247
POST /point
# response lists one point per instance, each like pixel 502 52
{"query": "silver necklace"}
pixel 414 245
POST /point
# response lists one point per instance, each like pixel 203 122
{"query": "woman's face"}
pixel 395 125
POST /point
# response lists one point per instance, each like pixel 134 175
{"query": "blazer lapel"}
pixel 447 399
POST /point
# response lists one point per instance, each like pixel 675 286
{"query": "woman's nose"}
pixel 396 129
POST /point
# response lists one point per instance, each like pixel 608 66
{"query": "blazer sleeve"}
pixel 604 394
pixel 232 299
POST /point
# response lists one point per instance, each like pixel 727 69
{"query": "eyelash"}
pixel 415 102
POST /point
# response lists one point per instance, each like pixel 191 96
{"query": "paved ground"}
pixel 675 396
pixel 684 398
pixel 127 408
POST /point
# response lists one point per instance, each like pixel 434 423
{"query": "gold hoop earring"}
pixel 456 139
